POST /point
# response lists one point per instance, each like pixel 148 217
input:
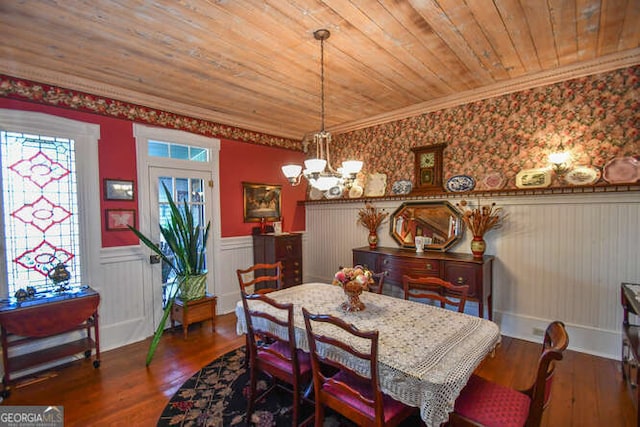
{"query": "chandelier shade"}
pixel 318 170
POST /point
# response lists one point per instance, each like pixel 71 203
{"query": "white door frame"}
pixel 142 135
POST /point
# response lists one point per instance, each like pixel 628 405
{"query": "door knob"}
pixel 154 259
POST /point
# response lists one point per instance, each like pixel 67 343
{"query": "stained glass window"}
pixel 40 206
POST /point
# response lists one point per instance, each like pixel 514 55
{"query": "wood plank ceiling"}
pixel 256 65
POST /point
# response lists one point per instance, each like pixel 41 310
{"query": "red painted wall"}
pixel 243 162
pixel 238 162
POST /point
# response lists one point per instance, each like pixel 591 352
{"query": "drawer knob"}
pixel 429 267
pixel 460 281
pixel 385 261
pixel 289 248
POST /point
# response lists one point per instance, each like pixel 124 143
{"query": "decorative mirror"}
pixel 440 223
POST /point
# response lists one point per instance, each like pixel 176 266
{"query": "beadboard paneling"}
pixel 557 257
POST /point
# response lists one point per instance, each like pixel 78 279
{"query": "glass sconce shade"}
pixel 351 166
pixel 291 171
pixel 315 165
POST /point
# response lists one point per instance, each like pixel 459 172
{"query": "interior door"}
pixel 192 187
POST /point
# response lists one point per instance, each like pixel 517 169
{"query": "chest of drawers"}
pixel 286 248
pixel 456 268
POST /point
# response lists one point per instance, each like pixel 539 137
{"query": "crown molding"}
pixel 54 78
pixel 601 65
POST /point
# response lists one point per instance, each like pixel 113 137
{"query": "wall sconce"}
pixel 560 160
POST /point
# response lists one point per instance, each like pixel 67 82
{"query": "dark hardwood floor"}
pixel 588 391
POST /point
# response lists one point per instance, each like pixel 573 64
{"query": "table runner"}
pixel 426 354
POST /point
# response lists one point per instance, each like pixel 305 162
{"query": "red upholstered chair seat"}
pixel 391 407
pixel 304 360
pixel 492 405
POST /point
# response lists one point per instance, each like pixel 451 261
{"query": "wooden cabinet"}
pixel 460 269
pixel 286 248
pixel 43 317
pixel 194 311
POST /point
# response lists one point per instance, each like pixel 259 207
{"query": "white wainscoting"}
pixel 558 257
pixel 124 280
pixel 124 298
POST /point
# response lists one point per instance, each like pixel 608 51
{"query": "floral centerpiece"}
pixel 353 281
pixel 479 221
pixel 372 218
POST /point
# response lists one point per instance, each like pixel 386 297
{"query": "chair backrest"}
pixel 435 289
pixel 260 278
pixel 366 354
pixel 262 327
pixel 555 343
pixel 378 279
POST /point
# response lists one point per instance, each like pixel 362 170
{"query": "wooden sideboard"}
pixel 43 317
pixel 457 268
pixel 286 248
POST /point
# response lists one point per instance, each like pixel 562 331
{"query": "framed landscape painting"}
pixel 261 201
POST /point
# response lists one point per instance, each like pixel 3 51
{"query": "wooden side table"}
pixel 194 311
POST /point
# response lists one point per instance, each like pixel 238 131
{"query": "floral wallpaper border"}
pixel 12 87
pixel 597 118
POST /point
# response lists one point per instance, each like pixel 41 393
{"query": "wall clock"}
pixel 428 168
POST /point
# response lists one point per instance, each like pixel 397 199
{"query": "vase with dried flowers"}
pixel 479 221
pixel 353 281
pixel 371 218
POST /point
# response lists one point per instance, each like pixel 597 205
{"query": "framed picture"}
pixel 115 189
pixel 119 219
pixel 261 201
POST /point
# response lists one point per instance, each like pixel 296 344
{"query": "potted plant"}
pixel 185 257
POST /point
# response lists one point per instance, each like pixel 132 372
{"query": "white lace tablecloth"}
pixel 425 355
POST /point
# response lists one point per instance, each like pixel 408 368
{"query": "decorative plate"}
pixel 493 181
pixel 355 192
pixel 401 187
pixel 376 184
pixel 334 192
pixel 621 170
pixel 533 178
pixel 315 194
pixel 460 183
pixel 582 175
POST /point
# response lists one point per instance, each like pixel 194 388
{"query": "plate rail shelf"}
pixel 583 189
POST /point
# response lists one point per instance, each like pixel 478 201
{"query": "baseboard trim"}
pixel 583 339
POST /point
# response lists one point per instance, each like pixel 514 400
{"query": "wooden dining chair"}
pixel 485 403
pixel 337 386
pixel 260 278
pixel 435 289
pixel 274 354
pixel 378 282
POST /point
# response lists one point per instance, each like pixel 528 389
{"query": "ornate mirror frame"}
pixel 439 221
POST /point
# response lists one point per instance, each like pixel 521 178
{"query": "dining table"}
pixel 426 354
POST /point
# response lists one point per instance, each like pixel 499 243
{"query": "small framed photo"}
pixel 119 219
pixel 115 189
pixel 261 201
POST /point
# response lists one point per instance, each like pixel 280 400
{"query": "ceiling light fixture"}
pixel 318 171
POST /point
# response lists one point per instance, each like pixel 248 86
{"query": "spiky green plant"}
pixel 187 244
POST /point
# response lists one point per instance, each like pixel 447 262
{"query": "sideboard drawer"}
pixel 463 274
pixel 397 267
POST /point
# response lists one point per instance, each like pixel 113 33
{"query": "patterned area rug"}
pixel 216 397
